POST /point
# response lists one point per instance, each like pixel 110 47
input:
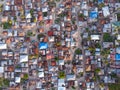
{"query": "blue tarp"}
pixel 93 14
pixel 117 56
pixel 43 45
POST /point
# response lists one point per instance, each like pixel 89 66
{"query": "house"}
pixel 40 74
pixel 7 8
pixel 3 46
pixel 39 85
pixel 61 88
pixel 95 37
pixel 88 68
pixel 18 2
pixel 70 77
pixel 107 44
pixel 43 45
pixel 61 82
pixel 61 62
pixel 93 14
pixel 23 58
pixel 118 37
pixel 117 57
pixel 23 50
pixel 118 50
pixel 17 79
pixel 84 5
pixel 51 39
pixel 1 69
pixel 45 9
pixel 106 11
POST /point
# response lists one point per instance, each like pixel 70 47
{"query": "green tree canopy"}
pixel 107 37
pixel 61 75
pixel 78 51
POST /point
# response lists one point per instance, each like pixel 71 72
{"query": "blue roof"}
pixel 93 14
pixel 100 1
pixel 43 45
pixel 117 56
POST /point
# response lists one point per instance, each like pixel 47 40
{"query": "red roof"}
pixel 50 33
pixel 53 63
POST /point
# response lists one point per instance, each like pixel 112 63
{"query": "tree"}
pixel 97 70
pixel 114 86
pixel 57 0
pixel 4 82
pixel 97 45
pixel 81 15
pixel 113 75
pixel 107 37
pixel 57 21
pixel 26 76
pixel 105 52
pixel 31 11
pixel 56 58
pixel 45 14
pixel 61 75
pixel 92 50
pixel 40 36
pixel 52 4
pixel 78 51
pixel 29 33
pixel 101 5
pixel 73 88
pixel 7 25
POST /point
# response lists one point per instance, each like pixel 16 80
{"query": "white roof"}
pixel 28 15
pixel 7 7
pixel 41 74
pixel 23 58
pixel 70 77
pixel 3 46
pixel 118 50
pixel 118 37
pixel 106 11
pixel 61 82
pixel 17 79
pixel 95 37
pixel 61 88
pixel 44 9
pixel 84 5
pixel 39 85
pixel 85 12
pixel 61 62
pixel 1 69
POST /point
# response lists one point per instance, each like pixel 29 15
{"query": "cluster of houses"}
pixel 59 44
